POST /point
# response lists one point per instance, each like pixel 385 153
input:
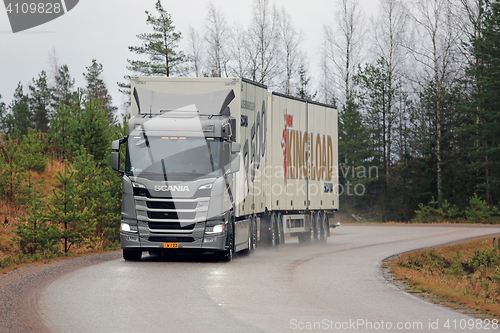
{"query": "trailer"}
pixel 221 165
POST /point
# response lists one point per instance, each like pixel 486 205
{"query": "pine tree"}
pixel 355 154
pixel 101 191
pixel 485 128
pixel 96 88
pixel 3 114
pixel 13 175
pixel 36 235
pixel 32 157
pixel 40 96
pixel 161 46
pixel 89 127
pixel 63 90
pixel 59 133
pixel 20 116
pixel 69 212
pixel 304 86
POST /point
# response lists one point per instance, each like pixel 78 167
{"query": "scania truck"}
pixel 220 165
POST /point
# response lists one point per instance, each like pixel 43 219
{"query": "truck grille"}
pixel 172 215
pixel 169 226
pixel 171 205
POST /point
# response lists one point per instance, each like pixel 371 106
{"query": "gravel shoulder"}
pixel 19 290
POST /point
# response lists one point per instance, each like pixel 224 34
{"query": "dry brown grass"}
pixel 10 213
pixel 446 272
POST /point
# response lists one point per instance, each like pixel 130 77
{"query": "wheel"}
pixel 279 230
pixel 313 232
pixel 272 232
pixel 323 227
pixel 227 255
pixel 254 234
pixel 318 227
pixel 132 255
pixel 250 246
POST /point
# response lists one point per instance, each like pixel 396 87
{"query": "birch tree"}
pixel 290 44
pixel 263 43
pixel 343 45
pixel 238 49
pixel 436 52
pixel 216 38
pixel 195 51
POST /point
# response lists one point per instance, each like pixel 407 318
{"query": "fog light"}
pixel 132 238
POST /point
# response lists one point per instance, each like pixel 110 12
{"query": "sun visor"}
pixel 215 103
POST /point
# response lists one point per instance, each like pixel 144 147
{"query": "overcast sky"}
pixel 103 30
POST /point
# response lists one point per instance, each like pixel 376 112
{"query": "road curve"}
pixel 335 287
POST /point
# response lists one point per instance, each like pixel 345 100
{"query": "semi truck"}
pixel 221 165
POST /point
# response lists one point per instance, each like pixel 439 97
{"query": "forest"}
pixel 416 88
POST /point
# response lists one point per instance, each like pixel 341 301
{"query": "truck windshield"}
pixel 173 157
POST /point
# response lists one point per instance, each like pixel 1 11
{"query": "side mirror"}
pixel 115 160
pixel 115 145
pixel 115 154
pixel 235 165
pixel 235 148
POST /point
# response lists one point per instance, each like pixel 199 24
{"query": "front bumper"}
pixel 130 240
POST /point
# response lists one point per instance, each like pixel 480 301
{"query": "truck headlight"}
pixel 127 227
pixel 215 229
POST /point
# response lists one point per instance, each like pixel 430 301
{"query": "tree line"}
pixel 70 130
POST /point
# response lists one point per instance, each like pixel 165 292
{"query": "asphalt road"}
pixel 336 287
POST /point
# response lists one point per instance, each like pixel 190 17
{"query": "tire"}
pixel 252 236
pixel 323 227
pixel 227 255
pixel 279 230
pixel 313 232
pixel 132 255
pixel 273 239
pixel 318 227
pixel 249 249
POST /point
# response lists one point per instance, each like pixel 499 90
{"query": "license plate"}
pixel 170 245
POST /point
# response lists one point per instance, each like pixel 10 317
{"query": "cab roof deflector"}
pixel 215 103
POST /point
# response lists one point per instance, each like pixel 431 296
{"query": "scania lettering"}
pixel 220 165
pixel 171 188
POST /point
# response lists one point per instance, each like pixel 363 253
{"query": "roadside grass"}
pixel 463 275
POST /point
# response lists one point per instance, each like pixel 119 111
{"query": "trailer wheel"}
pixel 318 227
pixel 279 229
pixel 315 227
pixel 253 234
pixel 272 233
pixel 132 255
pixel 312 227
pixel 324 227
